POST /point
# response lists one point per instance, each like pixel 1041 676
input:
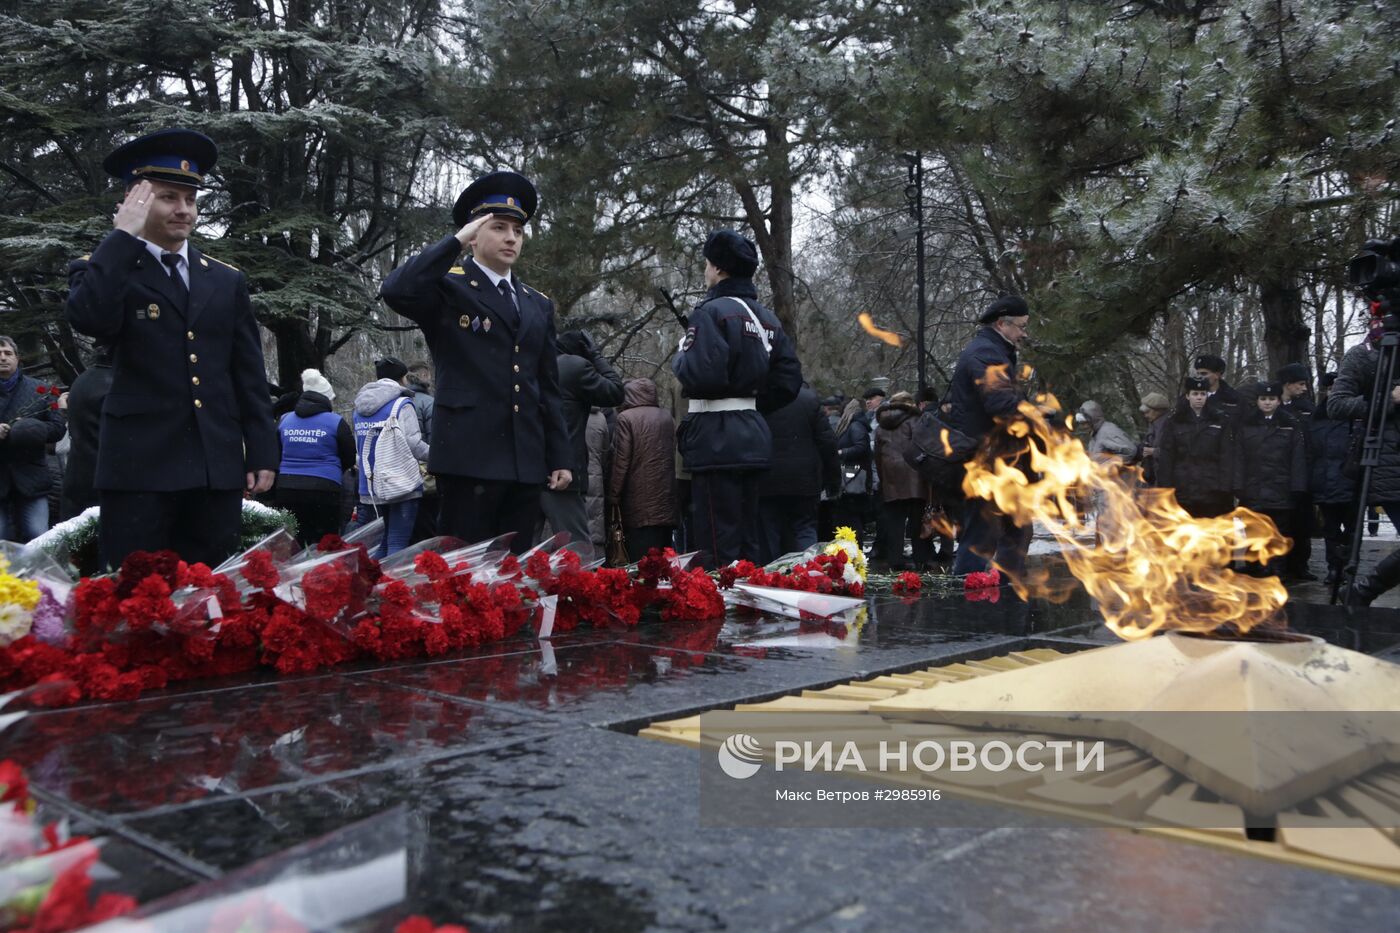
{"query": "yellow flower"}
pixel 23 593
pixel 846 541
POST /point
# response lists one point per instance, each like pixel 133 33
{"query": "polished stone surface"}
pixel 540 809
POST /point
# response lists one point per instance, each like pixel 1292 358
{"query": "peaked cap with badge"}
pixel 189 407
pixel 181 157
pixel 497 411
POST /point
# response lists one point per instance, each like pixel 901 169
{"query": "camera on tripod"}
pixel 1375 271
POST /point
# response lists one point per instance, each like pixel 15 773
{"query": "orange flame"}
pixel 888 336
pixel 1155 567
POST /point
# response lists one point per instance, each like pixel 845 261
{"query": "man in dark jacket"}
pixel 187 429
pixel 85 398
pixel 1271 467
pixel 1332 490
pixel 733 363
pixel 1349 399
pixel 1297 401
pixel 984 390
pixel 586 380
pixel 28 424
pixel 498 428
pixel 802 467
pixel 1195 454
pixel 1223 395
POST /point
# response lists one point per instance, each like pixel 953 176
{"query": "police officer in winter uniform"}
pixel 733 363
pixel 187 427
pixel 498 429
pixel 1297 401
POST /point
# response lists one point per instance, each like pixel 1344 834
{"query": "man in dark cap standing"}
pixel 733 363
pixel 984 391
pixel 1211 368
pixel 498 429
pixel 1294 378
pixel 187 427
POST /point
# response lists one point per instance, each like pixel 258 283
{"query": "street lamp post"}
pixel 914 194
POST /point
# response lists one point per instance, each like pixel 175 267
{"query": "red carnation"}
pixel 908 584
pixel 260 571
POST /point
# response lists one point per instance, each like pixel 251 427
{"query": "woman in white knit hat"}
pixel 318 446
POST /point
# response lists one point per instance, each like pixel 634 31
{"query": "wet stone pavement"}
pixel 537 807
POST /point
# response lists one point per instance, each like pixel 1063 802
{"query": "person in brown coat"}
pixel 903 493
pixel 642 477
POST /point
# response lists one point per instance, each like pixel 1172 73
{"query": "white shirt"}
pixel 496 279
pixel 183 252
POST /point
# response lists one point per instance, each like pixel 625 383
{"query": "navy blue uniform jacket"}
pixel 189 405
pixel 723 357
pixel 980 397
pixel 496 413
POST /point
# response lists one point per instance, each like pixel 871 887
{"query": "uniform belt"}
pixel 699 405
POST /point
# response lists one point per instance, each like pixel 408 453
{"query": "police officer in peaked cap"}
pixel 187 428
pixel 498 426
pixel 733 363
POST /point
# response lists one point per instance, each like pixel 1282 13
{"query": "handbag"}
pixel 939 451
pixel 617 539
pixel 855 481
pixel 395 471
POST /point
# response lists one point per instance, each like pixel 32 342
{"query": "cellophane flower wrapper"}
pixel 356 873
pixel 369 535
pixel 280 546
pixel 401 562
pixel 198 614
pixel 793 603
pixel 328 588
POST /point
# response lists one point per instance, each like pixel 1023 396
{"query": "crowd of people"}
pixel 512 427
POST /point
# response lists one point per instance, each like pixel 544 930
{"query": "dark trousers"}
pixel 1337 522
pixel 425 522
pixel 1303 522
pixel 201 525
pixel 785 524
pixel 1212 506
pixel 480 509
pixel 989 535
pixel 643 538
pixel 565 511
pixel 899 518
pixel 724 502
pixel 1283 518
pixel 849 512
pixel 826 520
pixel 317 512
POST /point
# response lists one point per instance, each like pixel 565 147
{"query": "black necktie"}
pixel 509 294
pixel 172 264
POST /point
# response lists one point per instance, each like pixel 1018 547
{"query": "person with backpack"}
pixel 389 446
pixel 317 448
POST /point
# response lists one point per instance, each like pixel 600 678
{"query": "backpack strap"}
pixel 762 331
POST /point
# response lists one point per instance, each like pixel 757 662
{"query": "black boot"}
pixel 1369 586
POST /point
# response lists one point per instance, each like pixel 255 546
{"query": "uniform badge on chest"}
pixel 486 324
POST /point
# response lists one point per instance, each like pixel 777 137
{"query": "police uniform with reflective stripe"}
pixel 734 362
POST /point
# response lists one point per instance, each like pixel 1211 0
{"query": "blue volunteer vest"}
pixel 309 445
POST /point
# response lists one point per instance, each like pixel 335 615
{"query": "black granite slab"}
pixel 125 757
pixel 596 830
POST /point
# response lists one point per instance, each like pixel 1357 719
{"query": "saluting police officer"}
pixel 733 363
pixel 498 427
pixel 187 427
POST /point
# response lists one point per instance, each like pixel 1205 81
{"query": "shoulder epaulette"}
pixel 538 292
pixel 85 257
pixel 456 270
pixel 220 262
